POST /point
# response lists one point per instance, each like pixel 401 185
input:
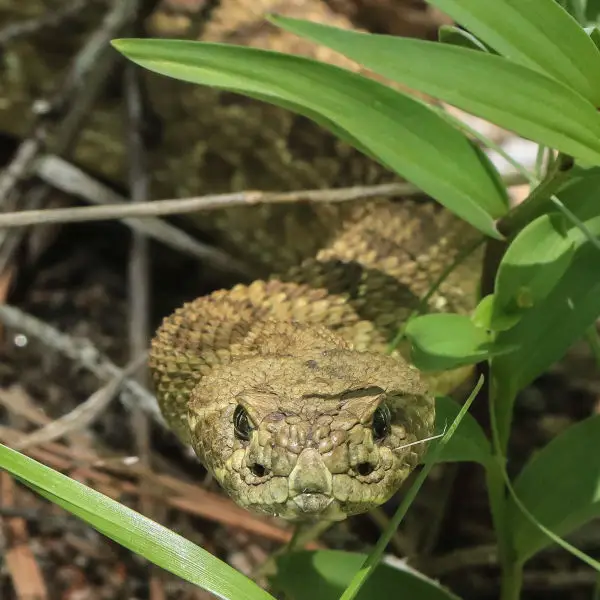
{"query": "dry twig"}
pixel 85 413
pixel 208 202
pixel 84 80
pixel 68 178
pixel 83 352
pixel 49 20
pixel 75 88
pixel 139 294
pixel 18 557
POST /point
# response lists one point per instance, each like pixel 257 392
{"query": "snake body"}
pixel 283 387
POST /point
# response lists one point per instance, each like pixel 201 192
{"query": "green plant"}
pixel 531 67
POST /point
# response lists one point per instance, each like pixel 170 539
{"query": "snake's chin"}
pixel 318 436
pixel 310 503
pixel 307 507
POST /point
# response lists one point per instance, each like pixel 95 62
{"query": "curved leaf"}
pixel 132 530
pixel 403 133
pixel 561 317
pixel 445 341
pixel 569 468
pixel 468 444
pixel 538 34
pixel 325 574
pixel 538 107
pixel 449 34
pixel 532 265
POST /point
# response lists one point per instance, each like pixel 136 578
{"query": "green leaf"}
pixel 445 341
pixel 592 11
pixel 538 34
pixel 594 34
pixel 543 335
pixel 576 8
pixel 538 107
pixel 533 264
pixel 482 315
pixel 132 530
pixel 568 468
pixel 468 444
pixel 403 133
pixel 325 574
pixel 449 34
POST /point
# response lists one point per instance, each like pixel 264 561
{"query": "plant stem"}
pixel 512 582
pixel 501 401
pixel 511 571
pixel 539 160
pixel 533 205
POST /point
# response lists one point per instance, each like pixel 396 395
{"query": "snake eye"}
pixel 241 423
pixel 381 424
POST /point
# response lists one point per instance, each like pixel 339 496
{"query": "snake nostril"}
pixel 365 468
pixel 259 470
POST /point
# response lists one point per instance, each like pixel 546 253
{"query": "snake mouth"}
pixel 312 503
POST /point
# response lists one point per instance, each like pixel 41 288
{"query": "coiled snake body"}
pixel 284 388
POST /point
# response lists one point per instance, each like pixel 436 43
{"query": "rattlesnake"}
pixel 283 387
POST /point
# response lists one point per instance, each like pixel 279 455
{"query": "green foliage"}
pixel 449 34
pixel 325 574
pixel 374 117
pixel 531 267
pixel 534 68
pixel 537 34
pixel 445 341
pixel 538 107
pixel 468 444
pixel 568 468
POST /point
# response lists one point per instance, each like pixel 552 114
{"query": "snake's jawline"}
pixel 299 402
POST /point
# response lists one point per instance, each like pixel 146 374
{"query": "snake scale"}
pixel 283 387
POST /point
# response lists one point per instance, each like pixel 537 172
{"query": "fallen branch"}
pixel 83 352
pixel 72 180
pixel 68 178
pixel 83 414
pixel 209 202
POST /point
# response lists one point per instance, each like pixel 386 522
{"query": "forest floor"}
pixel 77 280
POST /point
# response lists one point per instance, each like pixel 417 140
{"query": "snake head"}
pixel 320 436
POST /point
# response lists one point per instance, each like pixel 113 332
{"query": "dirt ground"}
pixel 77 278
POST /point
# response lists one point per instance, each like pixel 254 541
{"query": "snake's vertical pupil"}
pixel 382 420
pixel 241 423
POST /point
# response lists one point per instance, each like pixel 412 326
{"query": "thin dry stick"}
pixel 75 86
pixel 68 178
pixel 138 276
pixel 48 20
pixel 83 82
pixel 85 413
pixel 84 353
pixel 208 202
pixel 139 267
